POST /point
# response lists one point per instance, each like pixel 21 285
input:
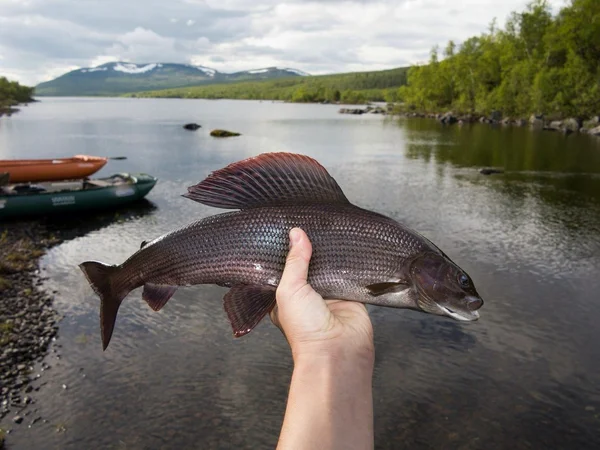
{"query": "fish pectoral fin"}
pixel 246 305
pixel 269 179
pixel 157 295
pixel 386 288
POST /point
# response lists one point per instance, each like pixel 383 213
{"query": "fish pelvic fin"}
pixel 246 305
pixel 100 276
pixel 269 179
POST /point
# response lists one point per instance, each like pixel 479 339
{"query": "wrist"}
pixel 330 354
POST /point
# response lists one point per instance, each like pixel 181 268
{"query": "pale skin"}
pixel 330 402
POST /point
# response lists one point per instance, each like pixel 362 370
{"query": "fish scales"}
pixel 350 246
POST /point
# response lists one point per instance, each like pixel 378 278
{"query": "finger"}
pixel 295 273
pixel 275 317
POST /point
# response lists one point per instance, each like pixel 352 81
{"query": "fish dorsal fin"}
pixel 270 179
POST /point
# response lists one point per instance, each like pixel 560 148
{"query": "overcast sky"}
pixel 41 39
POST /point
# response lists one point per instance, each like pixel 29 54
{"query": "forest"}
pixel 353 88
pixel 12 93
pixel 537 64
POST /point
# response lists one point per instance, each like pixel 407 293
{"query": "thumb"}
pixel 294 294
pixel 295 273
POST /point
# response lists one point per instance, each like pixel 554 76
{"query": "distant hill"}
pixel 354 87
pixel 117 78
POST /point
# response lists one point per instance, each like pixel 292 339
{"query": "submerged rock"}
pixel 223 133
pixel 490 171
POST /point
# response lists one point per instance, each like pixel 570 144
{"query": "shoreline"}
pixel 28 322
pixel 11 107
pixel 539 122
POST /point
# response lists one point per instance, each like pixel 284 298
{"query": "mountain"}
pixel 117 78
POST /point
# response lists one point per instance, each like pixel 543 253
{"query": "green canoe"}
pixel 73 196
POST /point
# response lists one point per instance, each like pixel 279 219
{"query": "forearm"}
pixel 330 404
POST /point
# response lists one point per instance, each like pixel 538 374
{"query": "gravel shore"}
pixel 27 321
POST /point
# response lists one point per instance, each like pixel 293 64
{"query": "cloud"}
pixel 42 38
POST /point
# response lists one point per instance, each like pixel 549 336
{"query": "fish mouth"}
pixel 465 316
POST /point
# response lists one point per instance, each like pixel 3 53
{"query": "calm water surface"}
pixel 527 375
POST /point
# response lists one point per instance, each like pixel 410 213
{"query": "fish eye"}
pixel 463 280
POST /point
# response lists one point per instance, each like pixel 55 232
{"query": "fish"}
pixel 358 255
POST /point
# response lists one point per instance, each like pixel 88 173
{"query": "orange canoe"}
pixel 33 170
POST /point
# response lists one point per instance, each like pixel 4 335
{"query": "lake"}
pixel 526 375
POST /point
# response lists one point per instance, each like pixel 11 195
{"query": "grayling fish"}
pixel 358 255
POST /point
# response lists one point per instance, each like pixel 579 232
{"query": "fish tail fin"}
pixel 101 276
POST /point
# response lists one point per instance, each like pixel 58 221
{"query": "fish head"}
pixel 443 288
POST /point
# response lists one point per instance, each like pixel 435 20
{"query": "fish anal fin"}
pixel 269 179
pixel 143 244
pixel 246 305
pixel 157 295
pixel 386 287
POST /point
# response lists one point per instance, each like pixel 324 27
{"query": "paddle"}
pixel 117 158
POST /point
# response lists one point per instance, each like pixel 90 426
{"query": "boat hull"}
pixel 36 170
pixel 71 201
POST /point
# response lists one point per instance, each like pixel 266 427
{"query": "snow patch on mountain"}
pixel 258 71
pixel 206 70
pixel 134 68
pixel 94 69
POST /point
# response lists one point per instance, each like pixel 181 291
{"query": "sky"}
pixel 42 39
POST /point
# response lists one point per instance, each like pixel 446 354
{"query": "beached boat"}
pixel 34 170
pixel 18 200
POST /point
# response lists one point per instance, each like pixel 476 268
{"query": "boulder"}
pixel 592 123
pixel 520 122
pixel 555 125
pixel 223 133
pixel 537 120
pixel 594 131
pixel 352 111
pixel 495 116
pixel 448 119
pixel 506 121
pixel 191 126
pixel 573 124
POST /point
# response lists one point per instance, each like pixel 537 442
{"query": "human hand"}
pixel 314 327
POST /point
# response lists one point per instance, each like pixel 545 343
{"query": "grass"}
pixel 20 255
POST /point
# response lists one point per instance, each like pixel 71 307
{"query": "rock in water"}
pixel 490 171
pixel 223 133
pixel 536 120
pixel 191 126
pixel 595 131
